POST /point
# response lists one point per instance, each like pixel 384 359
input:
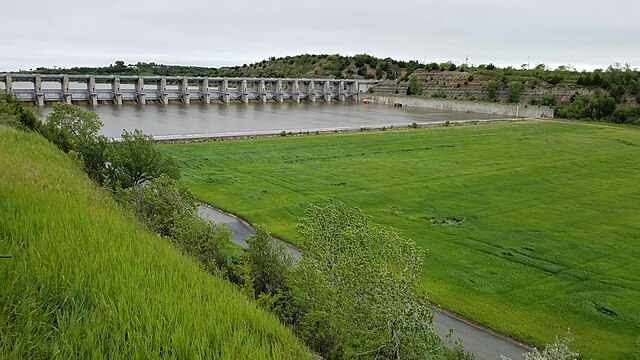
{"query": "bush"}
pixel 601 107
pixel 359 281
pixel 626 115
pixel 269 263
pixel 492 89
pixel 549 99
pixel 514 90
pixel 16 115
pixel 415 88
pixel 136 159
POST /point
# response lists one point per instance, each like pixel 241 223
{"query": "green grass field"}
pixel 87 281
pixel 531 228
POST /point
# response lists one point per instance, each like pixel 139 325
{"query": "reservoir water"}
pixel 178 120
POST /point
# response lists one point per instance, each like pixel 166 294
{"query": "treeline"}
pixel 353 293
pixel 306 65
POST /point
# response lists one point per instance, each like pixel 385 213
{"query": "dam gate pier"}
pixel 94 89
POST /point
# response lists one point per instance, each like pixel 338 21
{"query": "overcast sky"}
pixel 65 33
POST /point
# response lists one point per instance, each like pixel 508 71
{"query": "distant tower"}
pixel 466 60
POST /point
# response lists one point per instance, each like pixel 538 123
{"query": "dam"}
pixel 41 89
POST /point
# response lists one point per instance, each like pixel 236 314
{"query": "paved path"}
pixel 483 343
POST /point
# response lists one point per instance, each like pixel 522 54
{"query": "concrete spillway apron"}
pixel 483 343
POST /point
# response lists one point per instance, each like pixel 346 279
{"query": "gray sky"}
pixel 64 33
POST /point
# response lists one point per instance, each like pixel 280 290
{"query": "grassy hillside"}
pixel 86 281
pixel 531 227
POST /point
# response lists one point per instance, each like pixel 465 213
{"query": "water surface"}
pixel 200 119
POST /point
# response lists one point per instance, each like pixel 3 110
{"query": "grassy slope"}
pixel 87 281
pixel 551 231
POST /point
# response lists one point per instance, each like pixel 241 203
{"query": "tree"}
pixel 576 108
pixel 69 126
pixel 75 130
pixel 269 263
pixel 358 282
pixel 415 88
pixel 514 89
pixel 492 89
pixel 602 106
pixel 136 159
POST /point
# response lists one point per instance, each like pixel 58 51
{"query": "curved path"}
pixel 482 342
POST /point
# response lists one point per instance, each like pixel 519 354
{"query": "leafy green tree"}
pixel 359 284
pixel 626 115
pixel 492 89
pixel 415 88
pixel 549 99
pixel 75 130
pixel 136 159
pixel 514 90
pixel 379 73
pixel 576 108
pixel 602 106
pixel 269 263
pixel 80 124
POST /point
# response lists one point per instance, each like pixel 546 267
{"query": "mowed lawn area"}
pixel 531 227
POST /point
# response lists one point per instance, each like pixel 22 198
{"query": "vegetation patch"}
pixel 449 220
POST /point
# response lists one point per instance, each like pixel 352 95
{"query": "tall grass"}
pixel 86 280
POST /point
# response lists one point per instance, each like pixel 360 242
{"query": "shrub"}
pixel 415 88
pixel 549 99
pixel 626 115
pixel 269 263
pixel 359 281
pixel 136 159
pixel 492 89
pixel 16 115
pixel 514 90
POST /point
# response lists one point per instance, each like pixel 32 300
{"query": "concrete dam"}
pixel 41 89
